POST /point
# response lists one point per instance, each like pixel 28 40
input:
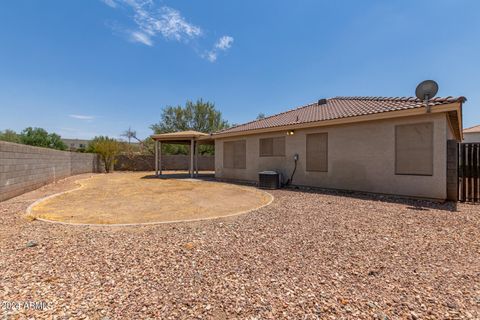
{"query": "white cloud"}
pixel 152 21
pixel 168 22
pixel 110 3
pixel 141 37
pixel 211 56
pixel 81 117
pixel 224 43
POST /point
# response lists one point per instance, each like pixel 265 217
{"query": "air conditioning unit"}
pixel 269 180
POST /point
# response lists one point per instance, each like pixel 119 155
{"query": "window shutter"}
pixel 414 149
pixel 279 146
pixel 235 154
pixel 272 147
pixel 228 154
pixel 240 151
pixel 317 152
pixel 266 147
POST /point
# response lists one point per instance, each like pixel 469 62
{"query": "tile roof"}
pixel 337 108
pixel 472 129
pixel 181 135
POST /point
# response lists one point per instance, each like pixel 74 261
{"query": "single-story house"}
pixel 471 134
pixel 75 144
pixel 370 144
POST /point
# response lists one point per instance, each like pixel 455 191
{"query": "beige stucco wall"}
pixel 471 137
pixel 361 157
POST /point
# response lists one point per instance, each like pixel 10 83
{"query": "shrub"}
pixel 107 148
pixel 9 136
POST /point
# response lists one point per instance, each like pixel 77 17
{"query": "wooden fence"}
pixel 469 172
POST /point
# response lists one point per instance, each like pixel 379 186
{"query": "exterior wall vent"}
pixel 322 102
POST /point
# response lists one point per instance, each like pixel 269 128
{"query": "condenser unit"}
pixel 269 180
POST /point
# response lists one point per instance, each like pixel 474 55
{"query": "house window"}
pixel 317 152
pixel 272 147
pixel 235 154
pixel 414 149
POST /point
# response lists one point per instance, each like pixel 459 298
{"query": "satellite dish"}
pixel 426 90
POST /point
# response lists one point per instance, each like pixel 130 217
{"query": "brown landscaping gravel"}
pixel 309 255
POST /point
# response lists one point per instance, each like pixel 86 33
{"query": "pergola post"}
pixel 196 158
pixel 192 150
pixel 160 157
pixel 156 158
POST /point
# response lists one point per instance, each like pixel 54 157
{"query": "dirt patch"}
pixel 129 198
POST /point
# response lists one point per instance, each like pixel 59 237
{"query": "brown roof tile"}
pixel 337 108
pixel 472 129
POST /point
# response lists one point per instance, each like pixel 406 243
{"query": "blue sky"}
pixel 84 68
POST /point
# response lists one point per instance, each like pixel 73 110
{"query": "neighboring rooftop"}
pixel 474 129
pixel 76 140
pixel 339 107
pixel 74 144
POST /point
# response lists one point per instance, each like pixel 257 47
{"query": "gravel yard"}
pixel 306 256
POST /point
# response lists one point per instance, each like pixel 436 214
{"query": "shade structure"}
pixel 190 137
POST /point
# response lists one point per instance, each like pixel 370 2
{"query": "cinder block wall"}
pixel 169 162
pixel 24 168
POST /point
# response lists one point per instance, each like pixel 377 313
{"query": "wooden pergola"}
pixel 192 138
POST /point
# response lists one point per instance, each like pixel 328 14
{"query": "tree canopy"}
pixel 199 116
pixel 107 148
pixel 37 137
pixel 129 134
pixel 9 136
pixel 41 138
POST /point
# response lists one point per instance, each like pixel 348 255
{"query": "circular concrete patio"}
pixel 135 198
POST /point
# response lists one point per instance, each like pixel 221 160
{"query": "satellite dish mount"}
pixel 425 91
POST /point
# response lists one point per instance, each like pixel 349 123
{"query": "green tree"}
pixel 41 138
pixel 9 136
pixel 107 148
pixel 145 146
pixel 261 116
pixel 129 134
pixel 56 142
pixel 199 116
